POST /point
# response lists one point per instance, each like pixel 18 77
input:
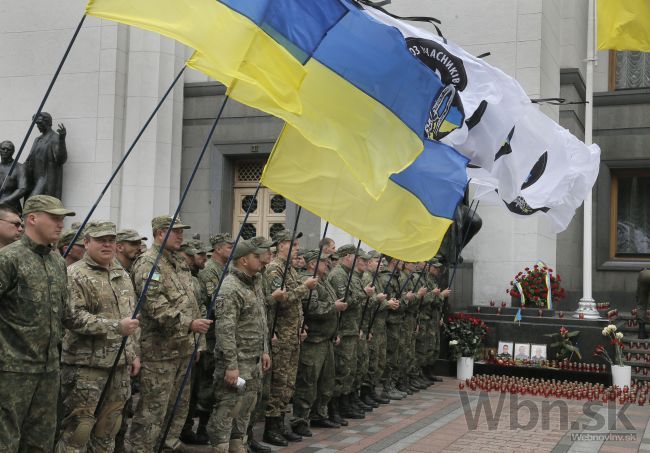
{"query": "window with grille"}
pixel 629 70
pixel 249 171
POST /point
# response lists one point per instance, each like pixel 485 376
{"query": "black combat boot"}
pixel 373 394
pixel 347 410
pixel 273 432
pixel 323 423
pixel 254 445
pixel 288 432
pixel 356 401
pixel 367 399
pixel 201 435
pixel 187 435
pixel 333 410
pixel 301 429
pixel 642 333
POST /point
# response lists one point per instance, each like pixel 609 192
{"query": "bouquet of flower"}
pixel 565 345
pixel 616 339
pixel 533 282
pixel 466 334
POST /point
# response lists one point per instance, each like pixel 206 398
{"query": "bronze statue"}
pixel 44 165
pixel 15 186
pixel 466 224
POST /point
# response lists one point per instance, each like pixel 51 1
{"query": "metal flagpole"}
pixel 374 279
pixel 587 305
pixel 143 295
pixel 121 162
pixel 40 107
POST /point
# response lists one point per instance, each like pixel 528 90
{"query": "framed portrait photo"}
pixel 505 348
pixel 537 352
pixel 522 351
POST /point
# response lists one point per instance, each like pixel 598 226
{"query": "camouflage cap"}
pixel 374 254
pixel 198 245
pixel 364 255
pixel 45 203
pixel 434 262
pixel 220 238
pixel 284 235
pixel 162 222
pixel 246 247
pixel 312 254
pixel 188 248
pixel 129 235
pixel 67 236
pixel 262 242
pixel 347 249
pixel 100 228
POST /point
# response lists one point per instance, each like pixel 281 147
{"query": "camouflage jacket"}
pixel 290 309
pixel 392 289
pixel 349 319
pixel 241 330
pixel 33 291
pixel 367 312
pixel 98 299
pixel 320 311
pixel 169 308
pixel 209 276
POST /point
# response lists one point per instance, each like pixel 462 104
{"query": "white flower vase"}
pixel 621 375
pixel 464 368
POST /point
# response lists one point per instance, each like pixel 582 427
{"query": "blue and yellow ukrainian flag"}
pixel 410 218
pixel 345 81
pixel 624 25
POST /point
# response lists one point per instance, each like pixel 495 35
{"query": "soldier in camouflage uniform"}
pixel 346 352
pixel 315 379
pixel 127 250
pixel 77 249
pixel 407 344
pixel 169 319
pixel 376 309
pixel 285 352
pixel 97 315
pixel 190 252
pixel 394 332
pixel 33 290
pixel 241 351
pixel 128 247
pixel 261 242
pixel 209 277
pixel 439 297
pixel 422 331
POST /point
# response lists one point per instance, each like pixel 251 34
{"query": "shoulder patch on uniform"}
pixel 277 281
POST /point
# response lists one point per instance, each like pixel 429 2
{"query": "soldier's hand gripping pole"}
pixel 424 271
pixel 210 315
pixel 311 291
pixel 374 315
pixel 374 279
pixel 286 267
pixel 347 286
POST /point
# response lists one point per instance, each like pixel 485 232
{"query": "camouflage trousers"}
pixel 284 359
pixel 362 362
pixel 409 332
pixel 28 411
pixel 376 357
pixel 205 381
pixel 424 340
pixel 160 382
pixel 345 364
pixel 262 400
pixel 233 408
pixel 315 381
pixel 81 388
pixel 435 333
pixel 642 295
pixel 395 346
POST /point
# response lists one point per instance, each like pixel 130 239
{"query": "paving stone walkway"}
pixel 436 420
